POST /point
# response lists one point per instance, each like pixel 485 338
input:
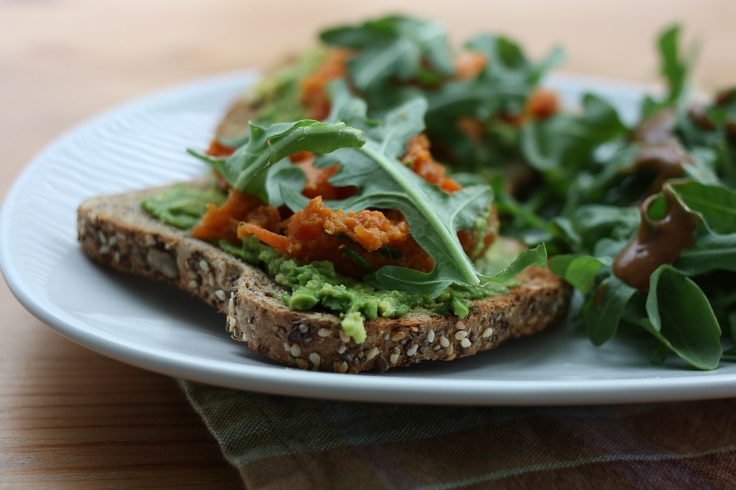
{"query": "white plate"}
pixel 158 328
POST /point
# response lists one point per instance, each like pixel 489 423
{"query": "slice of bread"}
pixel 116 232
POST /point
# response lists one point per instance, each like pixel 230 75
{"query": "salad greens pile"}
pixel 640 219
pixel 607 192
pixel 598 183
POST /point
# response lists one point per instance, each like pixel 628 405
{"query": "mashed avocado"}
pixel 317 285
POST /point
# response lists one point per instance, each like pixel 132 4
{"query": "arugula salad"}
pixel 335 160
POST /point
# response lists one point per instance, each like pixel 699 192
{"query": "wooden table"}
pixel 74 419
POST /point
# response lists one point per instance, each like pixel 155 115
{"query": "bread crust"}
pixel 116 232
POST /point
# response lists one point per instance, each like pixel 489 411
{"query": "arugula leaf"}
pixel 715 203
pixel 580 271
pixel 603 310
pixel 681 317
pixel 675 68
pixel 711 252
pixel 434 216
pixel 568 141
pixel 269 145
pixel 393 47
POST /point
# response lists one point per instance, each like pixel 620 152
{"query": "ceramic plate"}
pixel 158 328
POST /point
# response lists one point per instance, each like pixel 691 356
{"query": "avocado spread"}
pixel 317 285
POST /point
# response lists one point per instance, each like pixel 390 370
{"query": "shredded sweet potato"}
pixel 314 86
pixel 221 222
pixel 425 166
pixel 320 233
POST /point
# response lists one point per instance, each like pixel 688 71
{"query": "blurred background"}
pixel 62 61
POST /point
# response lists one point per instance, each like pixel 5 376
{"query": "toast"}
pixel 116 232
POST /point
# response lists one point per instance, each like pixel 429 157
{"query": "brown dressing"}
pixel 660 150
pixel 656 243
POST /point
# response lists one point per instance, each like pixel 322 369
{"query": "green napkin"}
pixel 282 442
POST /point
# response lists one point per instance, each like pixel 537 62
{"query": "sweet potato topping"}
pixel 320 233
pixel 314 86
pixel 376 237
pixel 219 150
pixel 425 166
pixel 542 104
pixel 469 64
pixel 317 178
pixel 221 222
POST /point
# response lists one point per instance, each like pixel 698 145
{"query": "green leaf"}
pixel 603 310
pixel 716 204
pixel 268 145
pixel 383 182
pixel 579 271
pixel 675 67
pixel 568 141
pixel 681 317
pixel 393 47
pixel 711 252
pixel 536 256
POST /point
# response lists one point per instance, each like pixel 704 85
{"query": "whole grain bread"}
pixel 116 232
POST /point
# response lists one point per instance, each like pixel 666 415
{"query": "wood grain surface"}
pixel 70 418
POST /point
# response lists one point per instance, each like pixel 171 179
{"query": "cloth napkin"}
pixel 279 442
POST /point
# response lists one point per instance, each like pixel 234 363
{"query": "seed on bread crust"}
pixel 257 316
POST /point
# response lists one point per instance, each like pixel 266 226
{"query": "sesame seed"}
pixel 295 350
pixel 342 368
pixel 211 279
pixel 412 350
pixel 372 353
pixel 444 342
pixel 353 370
pixel 324 332
pixel 231 303
pixel 398 336
pixel 102 237
pixel 116 257
pixel 220 294
pixel 393 358
pixel 303 327
pixel 341 349
pixel 232 323
pixel 344 337
pixel 465 343
pixel 113 240
pixel 386 337
pixel 460 325
pixel 104 250
pixel 437 347
pixel 449 350
pixel 450 357
pixel 461 334
pixel 430 336
pixel 487 332
pixel 302 364
pixel 192 284
pixel 315 358
pixel 204 265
